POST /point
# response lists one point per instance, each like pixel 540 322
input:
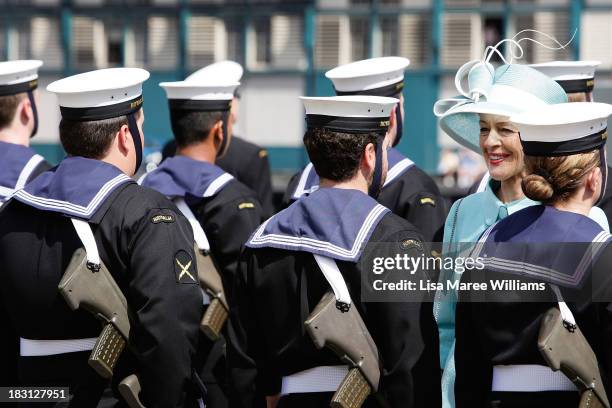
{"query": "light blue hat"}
pixel 505 91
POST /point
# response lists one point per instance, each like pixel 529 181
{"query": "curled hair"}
pixel 334 155
pixel 554 179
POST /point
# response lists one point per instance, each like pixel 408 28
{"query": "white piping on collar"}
pixel 397 170
pixel 217 184
pixel 24 175
pixel 82 211
pixel 298 243
pixel 299 190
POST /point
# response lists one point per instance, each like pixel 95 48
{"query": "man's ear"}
pixel 217 133
pixel 368 161
pixel 124 140
pixel 25 111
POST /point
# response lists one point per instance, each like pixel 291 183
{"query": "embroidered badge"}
pixel 428 200
pixel 166 218
pixel 184 268
pixel 408 244
pixel 242 206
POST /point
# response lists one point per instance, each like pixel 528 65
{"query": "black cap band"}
pixel 387 90
pixel 566 148
pixel 349 125
pixel 200 105
pixel 14 89
pixel 577 85
pixel 102 112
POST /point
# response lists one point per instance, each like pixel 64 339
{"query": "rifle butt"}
pixel 129 389
pixel 213 320
pixel 352 392
pixel 106 351
pixel 588 399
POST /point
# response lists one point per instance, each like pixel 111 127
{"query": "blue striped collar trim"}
pixel 69 208
pixel 181 176
pixel 77 187
pixel 304 226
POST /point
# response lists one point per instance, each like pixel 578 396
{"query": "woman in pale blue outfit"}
pixel 479 120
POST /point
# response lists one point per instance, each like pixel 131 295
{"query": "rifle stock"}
pixel 97 292
pixel 346 334
pixel 570 352
pixel 216 314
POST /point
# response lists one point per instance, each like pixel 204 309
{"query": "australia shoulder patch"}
pixel 162 216
pixel 184 268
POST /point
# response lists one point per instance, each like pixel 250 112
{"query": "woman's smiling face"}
pixel 501 146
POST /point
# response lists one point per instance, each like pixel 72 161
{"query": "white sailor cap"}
pixel 200 96
pixel 349 114
pixel 573 76
pixel 563 129
pixel 375 76
pixel 222 71
pixel 18 76
pixel 100 94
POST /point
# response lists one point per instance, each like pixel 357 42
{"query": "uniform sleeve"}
pixel 287 197
pixel 244 347
pixel 406 336
pixel 473 372
pixel 427 211
pixel 9 349
pixel 166 304
pixel 228 226
pixel 256 175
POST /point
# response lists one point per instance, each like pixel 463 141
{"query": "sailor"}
pixel 320 240
pixel 222 209
pixel 244 160
pixel 408 191
pixel 18 124
pixel 503 345
pixel 89 201
pixel 577 78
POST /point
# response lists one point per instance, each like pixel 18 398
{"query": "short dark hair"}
pixel 8 107
pixel 334 155
pixel 91 139
pixel 191 127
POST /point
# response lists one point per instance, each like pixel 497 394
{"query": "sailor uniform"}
pixel 280 283
pixel 37 241
pixel 20 165
pixel 244 160
pixel 539 244
pixel 227 210
pixel 496 345
pixel 248 162
pixel 297 255
pixel 408 191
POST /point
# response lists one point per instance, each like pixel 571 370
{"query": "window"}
pixel 162 42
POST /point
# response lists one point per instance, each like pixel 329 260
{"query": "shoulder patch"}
pixel 409 244
pixel 427 201
pixel 160 217
pixel 262 153
pixel 244 205
pixel 184 269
